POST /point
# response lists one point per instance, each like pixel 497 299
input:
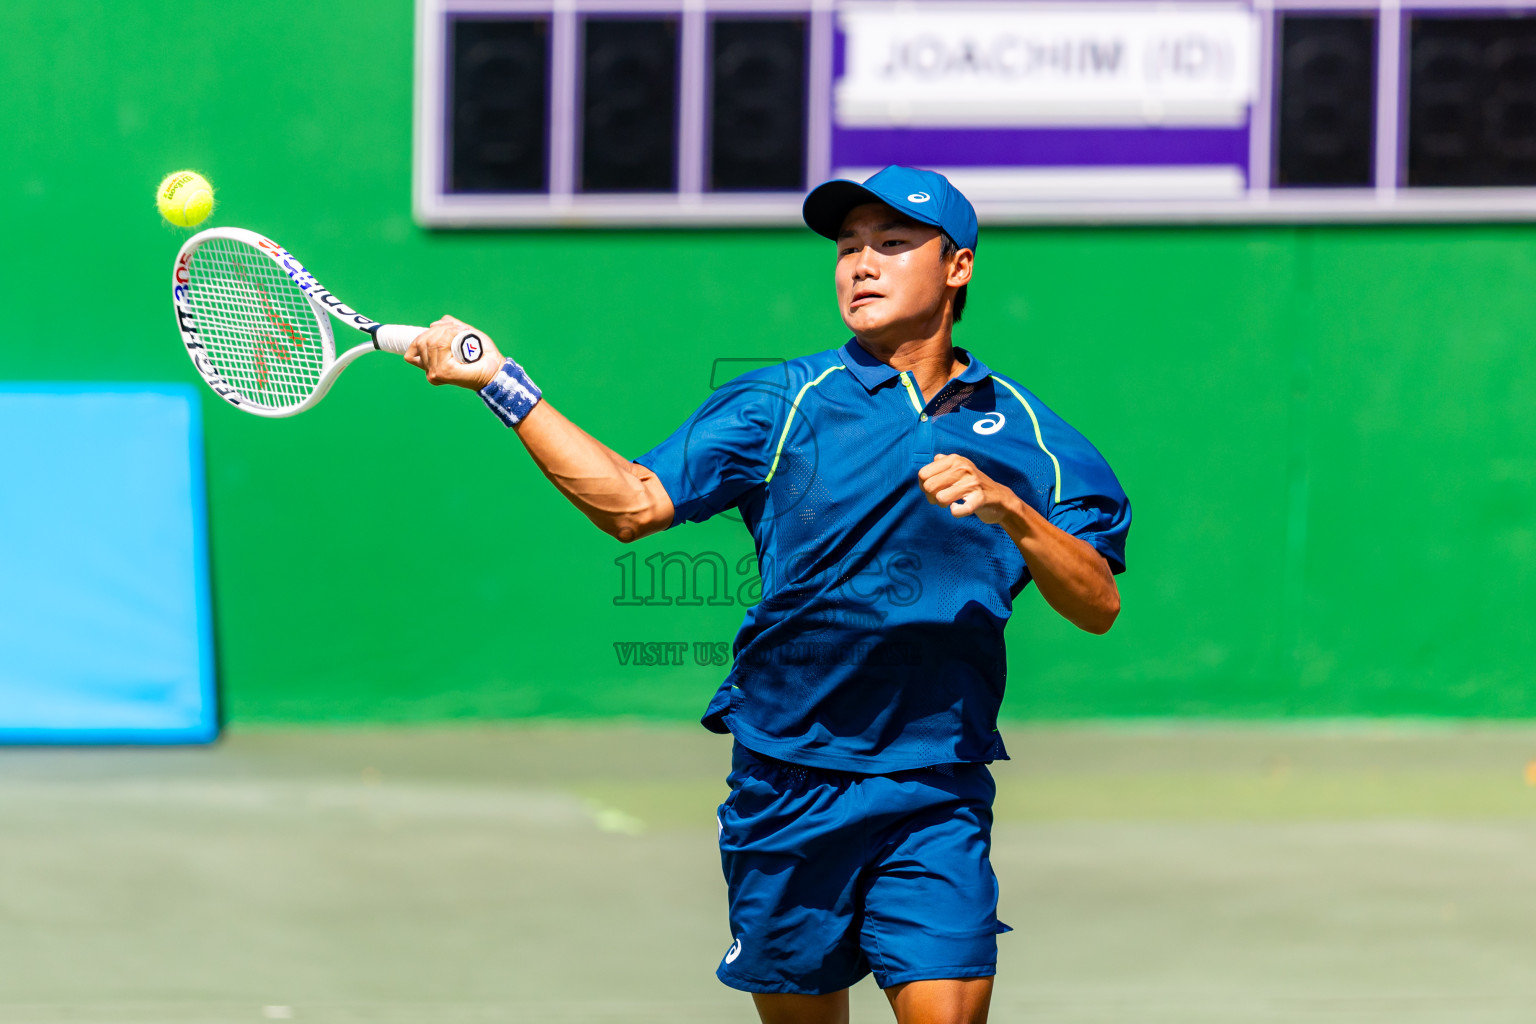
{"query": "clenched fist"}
pixel 955 481
pixel 433 352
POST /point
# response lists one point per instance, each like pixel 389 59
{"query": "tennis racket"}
pixel 257 325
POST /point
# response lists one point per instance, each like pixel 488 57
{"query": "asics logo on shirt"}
pixel 734 952
pixel 991 423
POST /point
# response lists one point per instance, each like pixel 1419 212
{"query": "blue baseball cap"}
pixel 925 196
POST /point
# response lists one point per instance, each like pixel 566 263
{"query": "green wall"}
pixel 1327 433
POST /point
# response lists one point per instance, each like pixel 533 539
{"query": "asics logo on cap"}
pixel 919 197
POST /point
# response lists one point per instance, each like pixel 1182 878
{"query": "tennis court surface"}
pixel 1175 875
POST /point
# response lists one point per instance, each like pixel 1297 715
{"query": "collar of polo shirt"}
pixel 872 373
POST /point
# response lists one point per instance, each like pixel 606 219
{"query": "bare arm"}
pixel 1072 576
pixel 622 499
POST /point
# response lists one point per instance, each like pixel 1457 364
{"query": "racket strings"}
pixel 257 326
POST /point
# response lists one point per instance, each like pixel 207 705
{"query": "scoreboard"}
pixel 724 112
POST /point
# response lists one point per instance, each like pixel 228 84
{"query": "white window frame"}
pixel 563 205
pixel 1389 199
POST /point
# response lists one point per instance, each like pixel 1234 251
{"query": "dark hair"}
pixel 948 248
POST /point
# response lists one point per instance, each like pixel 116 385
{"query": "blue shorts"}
pixel 834 875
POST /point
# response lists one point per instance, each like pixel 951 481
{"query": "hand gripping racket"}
pixel 257 325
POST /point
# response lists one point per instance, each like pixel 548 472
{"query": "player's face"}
pixel 891 279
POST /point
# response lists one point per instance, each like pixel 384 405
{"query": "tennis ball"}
pixel 185 198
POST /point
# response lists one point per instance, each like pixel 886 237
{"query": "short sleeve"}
pixel 1100 523
pixel 1090 503
pixel 720 453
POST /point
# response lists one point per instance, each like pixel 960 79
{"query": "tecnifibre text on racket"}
pixel 257 325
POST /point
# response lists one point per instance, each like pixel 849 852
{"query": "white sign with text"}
pixel 1012 65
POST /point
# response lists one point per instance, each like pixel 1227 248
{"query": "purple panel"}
pixel 1039 147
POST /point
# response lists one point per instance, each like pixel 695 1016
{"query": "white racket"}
pixel 257 325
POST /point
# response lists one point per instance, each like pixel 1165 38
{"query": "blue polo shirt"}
pixel 878 643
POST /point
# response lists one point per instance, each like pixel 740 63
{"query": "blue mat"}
pixel 106 631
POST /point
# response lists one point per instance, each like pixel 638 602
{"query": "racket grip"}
pixel 468 346
pixel 396 338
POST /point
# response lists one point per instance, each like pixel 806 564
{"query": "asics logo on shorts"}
pixel 734 952
pixel 991 423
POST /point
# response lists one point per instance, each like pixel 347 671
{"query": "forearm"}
pixel 623 499
pixel 1072 576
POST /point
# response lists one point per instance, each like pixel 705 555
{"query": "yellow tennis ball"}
pixel 185 198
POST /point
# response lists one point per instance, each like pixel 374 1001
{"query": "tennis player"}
pixel 900 494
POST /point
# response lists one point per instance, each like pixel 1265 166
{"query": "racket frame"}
pixel 323 303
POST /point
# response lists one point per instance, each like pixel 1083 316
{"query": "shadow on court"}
pixel 1222 875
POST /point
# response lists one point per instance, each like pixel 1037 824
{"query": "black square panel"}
pixel 629 105
pixel 757 104
pixel 1472 101
pixel 499 105
pixel 1325 115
